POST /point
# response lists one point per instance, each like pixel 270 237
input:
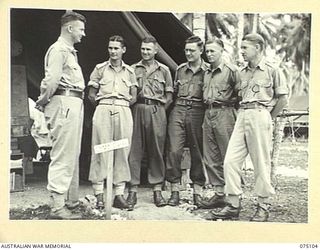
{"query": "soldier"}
pixel 150 121
pixel 220 97
pixel 113 86
pixel 61 99
pixel 185 121
pixel 263 95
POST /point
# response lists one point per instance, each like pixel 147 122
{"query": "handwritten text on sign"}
pixel 111 146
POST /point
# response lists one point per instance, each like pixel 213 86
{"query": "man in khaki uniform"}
pixel 263 95
pixel 150 121
pixel 220 97
pixel 113 86
pixel 61 94
pixel 185 121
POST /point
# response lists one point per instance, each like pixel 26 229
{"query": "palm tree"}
pixel 295 34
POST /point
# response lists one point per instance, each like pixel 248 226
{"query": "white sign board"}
pixel 111 146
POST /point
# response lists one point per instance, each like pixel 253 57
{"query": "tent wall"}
pixel 37 29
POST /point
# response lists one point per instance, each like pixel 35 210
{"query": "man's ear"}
pixel 258 47
pixel 69 28
pixel 124 49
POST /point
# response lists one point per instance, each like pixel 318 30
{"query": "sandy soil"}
pixel 290 204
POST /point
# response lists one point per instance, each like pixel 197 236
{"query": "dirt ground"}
pixel 289 205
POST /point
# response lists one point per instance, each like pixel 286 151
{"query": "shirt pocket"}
pixel 140 81
pixel 243 88
pixel 158 85
pixel 124 88
pixel 195 88
pixel 106 86
pixel 222 89
pixel 183 87
pixel 73 72
pixel 262 87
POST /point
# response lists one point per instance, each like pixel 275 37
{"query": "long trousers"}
pixel 149 134
pixel 111 123
pixel 64 117
pixel 252 135
pixel 218 125
pixel 185 125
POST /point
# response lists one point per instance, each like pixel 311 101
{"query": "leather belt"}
pixel 114 101
pixel 70 92
pixel 189 103
pixel 219 105
pixel 252 105
pixel 149 101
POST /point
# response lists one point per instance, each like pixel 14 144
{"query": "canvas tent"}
pixel 36 29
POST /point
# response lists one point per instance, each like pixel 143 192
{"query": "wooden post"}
pixel 277 139
pixel 108 193
pixel 110 146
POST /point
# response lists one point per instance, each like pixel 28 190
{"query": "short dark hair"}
pixel 71 16
pixel 117 38
pixel 195 39
pixel 255 38
pixel 150 39
pixel 215 40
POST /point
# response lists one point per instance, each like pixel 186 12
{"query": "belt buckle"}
pixel 189 103
pixel 67 92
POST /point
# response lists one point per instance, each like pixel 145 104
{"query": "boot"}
pixel 197 200
pixel 100 201
pixel 158 199
pixel 228 212
pixel 174 199
pixel 132 198
pixel 120 202
pixel 72 204
pixel 214 202
pixel 262 213
pixel 63 214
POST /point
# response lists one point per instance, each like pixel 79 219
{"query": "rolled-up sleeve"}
pixel 236 80
pixel 280 86
pixel 175 83
pixel 133 79
pixel 95 78
pixel 168 79
pixel 53 72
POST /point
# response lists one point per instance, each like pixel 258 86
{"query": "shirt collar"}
pixel 123 64
pixel 66 44
pixel 203 66
pixel 140 64
pixel 261 65
pixel 220 66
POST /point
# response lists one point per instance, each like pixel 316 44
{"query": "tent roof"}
pixel 37 29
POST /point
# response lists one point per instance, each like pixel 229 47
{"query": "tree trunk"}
pixel 199 25
pixel 240 35
pixel 255 22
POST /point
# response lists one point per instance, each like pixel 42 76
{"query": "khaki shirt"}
pixel 261 84
pixel 61 70
pixel 219 84
pixel 188 84
pixel 113 84
pixel 153 84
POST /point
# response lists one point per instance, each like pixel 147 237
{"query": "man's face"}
pixel 192 52
pixel 116 50
pixel 148 51
pixel 249 50
pixel 213 52
pixel 77 31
